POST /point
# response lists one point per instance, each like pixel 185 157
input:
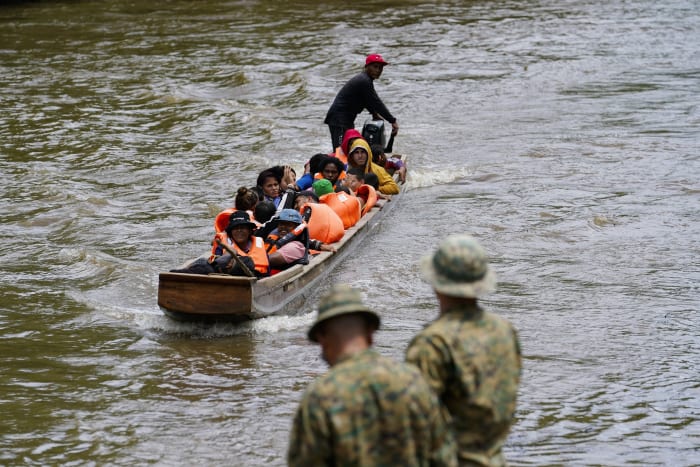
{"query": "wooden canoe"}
pixel 220 297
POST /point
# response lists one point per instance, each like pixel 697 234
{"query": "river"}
pixel 564 135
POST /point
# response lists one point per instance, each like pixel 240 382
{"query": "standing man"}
pixel 368 409
pixel 470 357
pixel 356 95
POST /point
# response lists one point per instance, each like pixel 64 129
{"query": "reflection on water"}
pixel 564 136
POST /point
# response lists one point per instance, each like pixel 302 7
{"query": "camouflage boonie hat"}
pixel 459 268
pixel 342 300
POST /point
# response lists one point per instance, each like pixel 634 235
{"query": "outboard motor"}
pixel 373 132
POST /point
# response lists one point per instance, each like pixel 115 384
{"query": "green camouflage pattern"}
pixel 369 410
pixel 471 359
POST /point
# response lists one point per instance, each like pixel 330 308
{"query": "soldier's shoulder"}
pixel 499 321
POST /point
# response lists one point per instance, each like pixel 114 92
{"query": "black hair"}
pixel 309 193
pixel 331 160
pixel 264 211
pixel 246 199
pixel 358 172
pixel 315 161
pixel 267 174
pixel 372 180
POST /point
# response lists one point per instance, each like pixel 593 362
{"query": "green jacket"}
pixel 471 359
pixel 369 410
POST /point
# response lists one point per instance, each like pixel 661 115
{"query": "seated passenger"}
pixel 348 138
pixel 244 243
pixel 346 206
pixel 263 212
pixel 268 187
pixel 354 178
pixel 323 223
pixel 288 243
pixel 286 175
pixel 366 194
pixel 361 157
pixel 393 165
pixel 238 239
pixel 310 170
pixel 245 200
pixel 332 169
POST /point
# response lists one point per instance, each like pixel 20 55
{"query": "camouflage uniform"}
pixel 471 359
pixel 369 410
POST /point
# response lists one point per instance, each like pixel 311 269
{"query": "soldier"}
pixel 368 410
pixel 470 357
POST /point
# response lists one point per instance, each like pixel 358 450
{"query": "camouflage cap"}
pixel 342 300
pixel 459 268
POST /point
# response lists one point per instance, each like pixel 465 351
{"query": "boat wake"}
pixel 421 178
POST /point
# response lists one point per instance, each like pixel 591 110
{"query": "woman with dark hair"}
pixel 332 169
pixel 268 187
pixel 245 200
pixel 286 175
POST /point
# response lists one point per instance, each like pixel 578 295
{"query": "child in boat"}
pixel 392 165
pixel 365 193
pixel 354 178
pixel 264 211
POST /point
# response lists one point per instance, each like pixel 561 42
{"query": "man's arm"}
pixel 432 358
pixel 309 440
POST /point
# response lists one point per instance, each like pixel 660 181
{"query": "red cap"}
pixel 375 58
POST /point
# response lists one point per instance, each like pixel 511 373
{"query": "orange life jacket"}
pixel 217 250
pixel 257 253
pixel 346 206
pixel 369 194
pixel 341 155
pixel 273 242
pixel 324 224
pixel 222 219
pixel 341 176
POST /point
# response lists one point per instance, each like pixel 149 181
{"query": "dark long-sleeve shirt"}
pixel 355 96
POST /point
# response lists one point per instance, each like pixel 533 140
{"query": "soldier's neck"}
pixel 448 303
